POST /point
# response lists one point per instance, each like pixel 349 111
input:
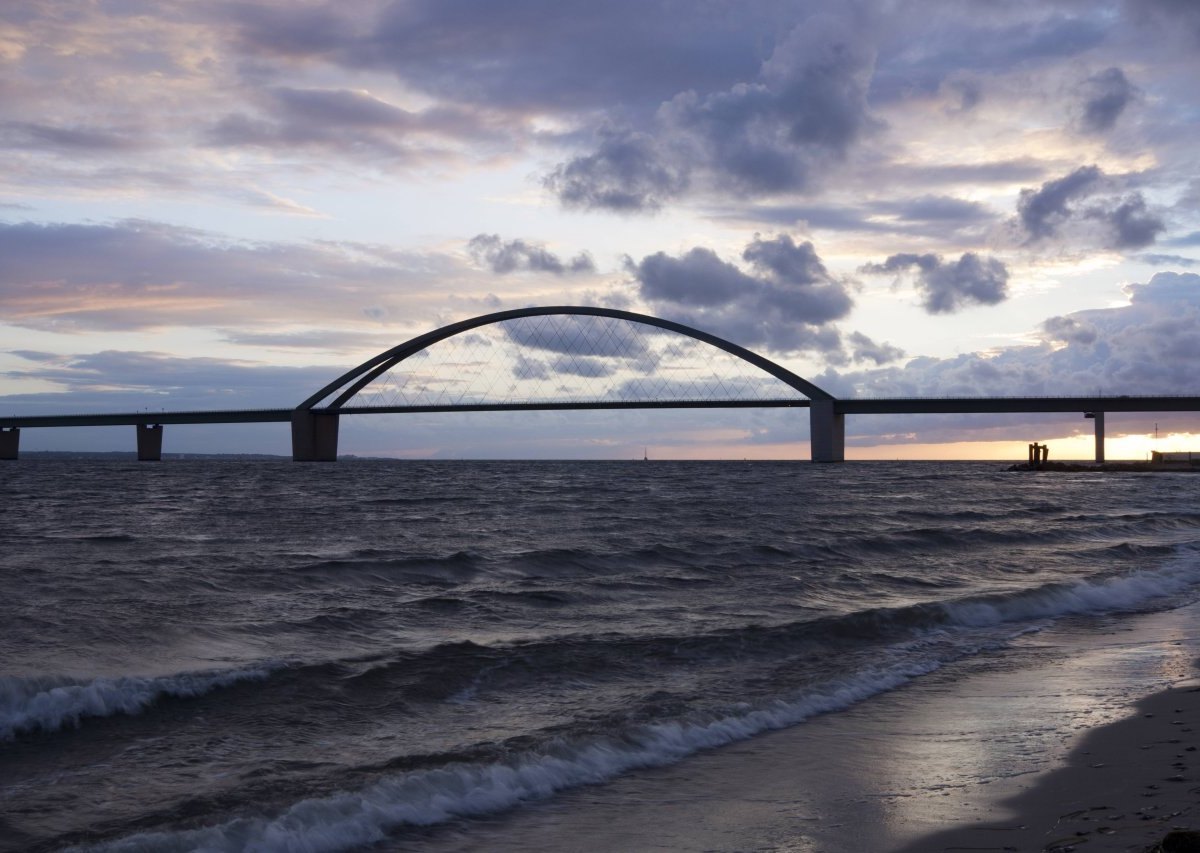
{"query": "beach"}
pixel 1072 739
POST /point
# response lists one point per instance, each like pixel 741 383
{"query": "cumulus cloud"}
pixel 862 348
pixel 1151 346
pixel 1070 330
pixel 1043 210
pixel 766 137
pixel 785 302
pixel 1105 96
pixel 1082 198
pixel 947 287
pixel 626 173
pixel 505 257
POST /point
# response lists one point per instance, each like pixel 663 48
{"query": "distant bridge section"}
pixel 575 358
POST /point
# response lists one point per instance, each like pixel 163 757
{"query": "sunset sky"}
pixel 227 204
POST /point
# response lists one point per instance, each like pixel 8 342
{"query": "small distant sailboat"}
pixel 645 454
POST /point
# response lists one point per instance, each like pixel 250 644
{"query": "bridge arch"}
pixel 315 421
pixel 350 383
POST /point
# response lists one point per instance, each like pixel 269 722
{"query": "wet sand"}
pixel 1123 788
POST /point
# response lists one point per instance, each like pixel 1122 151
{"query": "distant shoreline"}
pixel 1150 467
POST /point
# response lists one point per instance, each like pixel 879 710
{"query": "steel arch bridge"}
pixel 584 339
pixel 584 344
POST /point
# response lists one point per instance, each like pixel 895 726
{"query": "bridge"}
pixel 575 358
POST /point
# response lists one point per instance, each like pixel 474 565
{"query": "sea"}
pixel 391 655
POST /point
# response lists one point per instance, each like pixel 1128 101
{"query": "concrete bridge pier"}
pixel 10 441
pixel 1098 417
pixel 314 436
pixel 149 442
pixel 827 432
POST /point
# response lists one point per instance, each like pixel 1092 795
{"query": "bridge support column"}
pixel 10 441
pixel 149 442
pixel 314 436
pixel 827 432
pixel 1098 417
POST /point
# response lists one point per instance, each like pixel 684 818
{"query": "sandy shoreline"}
pixel 1122 789
pixel 996 752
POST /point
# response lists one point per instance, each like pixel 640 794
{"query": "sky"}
pixel 212 205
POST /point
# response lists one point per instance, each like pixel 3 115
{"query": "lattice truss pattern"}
pixel 561 358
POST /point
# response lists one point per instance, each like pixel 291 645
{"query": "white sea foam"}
pixel 1113 594
pixel 49 703
pixel 421 798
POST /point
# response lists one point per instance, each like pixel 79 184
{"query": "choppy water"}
pixel 221 655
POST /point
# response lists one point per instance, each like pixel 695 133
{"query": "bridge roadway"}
pixel 314 430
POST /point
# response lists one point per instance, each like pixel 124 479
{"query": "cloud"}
pixel 580 335
pixel 949 287
pixel 1042 211
pixel 1168 260
pixel 918 60
pixel 1125 222
pixel 524 55
pixel 113 378
pixel 626 173
pixel 1151 346
pixel 505 257
pixel 1105 96
pixel 862 348
pixel 772 135
pixel 1069 330
pixel 354 122
pixel 782 304
pixel 1132 224
pixel 138 274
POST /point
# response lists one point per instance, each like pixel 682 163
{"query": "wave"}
pixel 1093 595
pixel 50 703
pixel 347 820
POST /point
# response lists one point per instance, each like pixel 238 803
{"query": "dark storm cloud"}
pixel 1125 222
pixel 978 45
pixel 1132 224
pixel 626 173
pixel 782 305
pixel 505 257
pixel 1106 95
pixel 527 54
pixel 1172 18
pixel 770 136
pixel 1041 211
pixel 948 287
pixel 138 274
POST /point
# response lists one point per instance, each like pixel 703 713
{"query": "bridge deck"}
pixel 853 406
